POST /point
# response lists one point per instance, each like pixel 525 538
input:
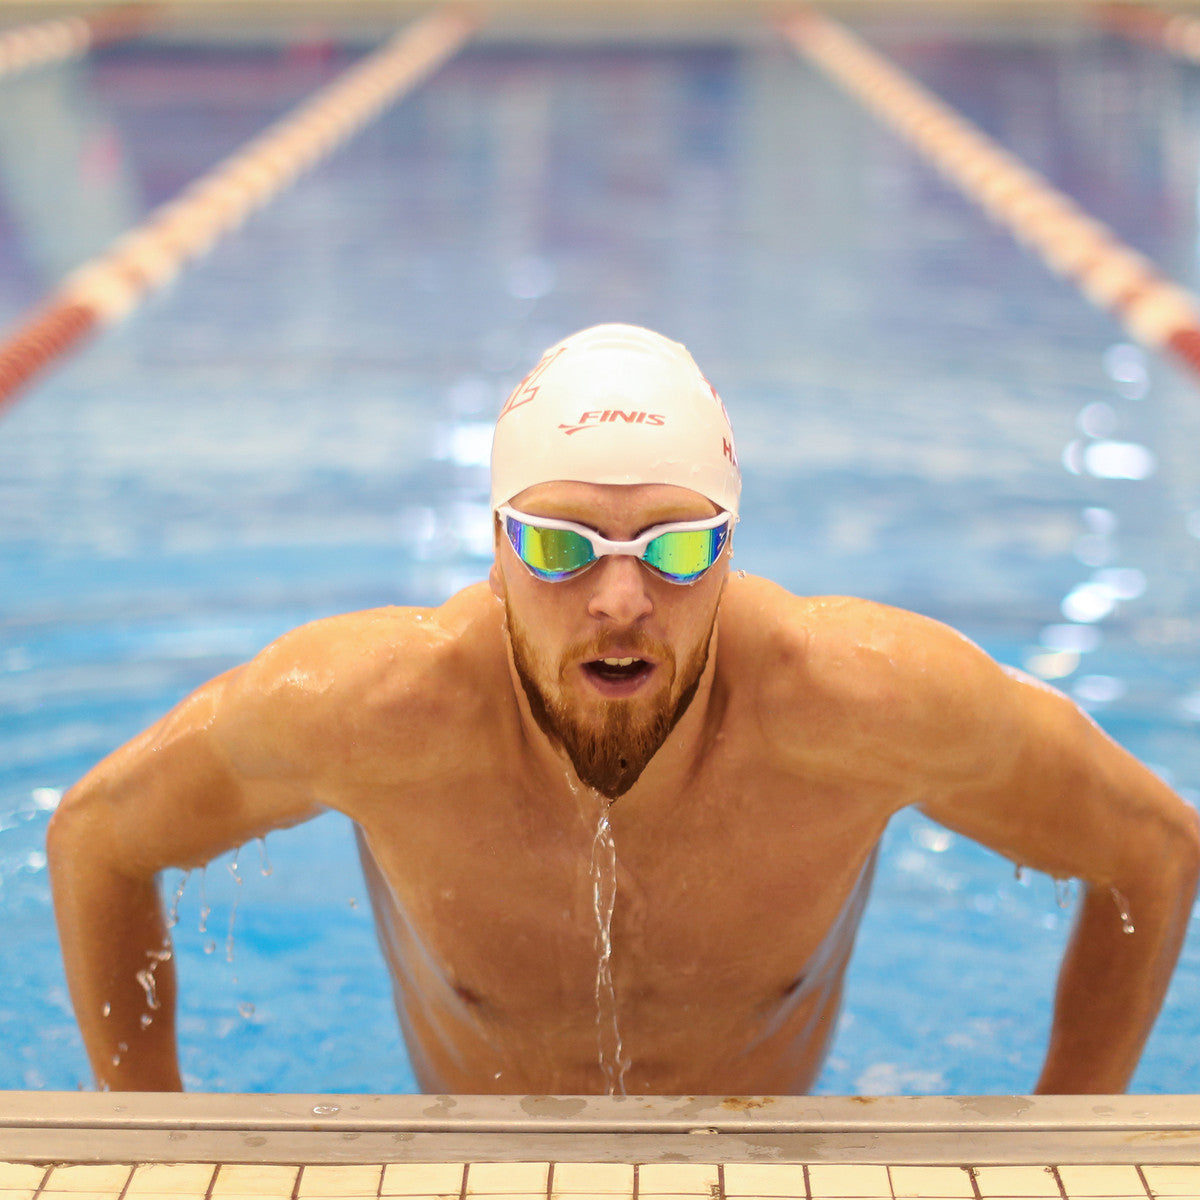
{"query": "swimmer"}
pixel 746 747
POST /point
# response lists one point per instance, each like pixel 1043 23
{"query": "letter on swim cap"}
pixel 616 404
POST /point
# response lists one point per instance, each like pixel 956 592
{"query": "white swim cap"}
pixel 616 404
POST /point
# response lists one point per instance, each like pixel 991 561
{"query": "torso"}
pixel 737 898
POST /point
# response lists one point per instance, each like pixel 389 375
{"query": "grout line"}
pixel 462 1195
pixel 1062 1190
pixel 637 1182
pixel 1142 1177
pixel 720 1181
pixel 807 1182
pixel 41 1186
pixel 974 1182
pixel 550 1181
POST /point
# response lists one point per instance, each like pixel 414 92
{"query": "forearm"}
pixel 1112 982
pixel 116 951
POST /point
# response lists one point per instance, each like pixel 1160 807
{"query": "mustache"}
pixel 611 644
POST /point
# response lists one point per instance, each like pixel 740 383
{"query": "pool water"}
pixel 300 426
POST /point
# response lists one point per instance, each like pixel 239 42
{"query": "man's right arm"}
pixel 173 797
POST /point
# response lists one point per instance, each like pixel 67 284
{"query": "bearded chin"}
pixel 611 749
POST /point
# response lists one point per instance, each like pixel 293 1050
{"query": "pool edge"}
pixel 47 1127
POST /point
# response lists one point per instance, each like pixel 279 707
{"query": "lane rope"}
pixel 61 38
pixel 106 288
pixel 1154 310
pixel 1177 34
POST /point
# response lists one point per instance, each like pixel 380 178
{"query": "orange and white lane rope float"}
pixel 105 289
pixel 1175 33
pixel 1155 311
pixel 43 42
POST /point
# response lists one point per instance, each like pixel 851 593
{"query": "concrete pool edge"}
pixel 89 1127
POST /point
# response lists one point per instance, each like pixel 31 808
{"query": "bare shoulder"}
pixel 361 684
pixel 845 676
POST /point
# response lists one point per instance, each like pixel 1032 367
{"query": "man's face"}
pixel 610 659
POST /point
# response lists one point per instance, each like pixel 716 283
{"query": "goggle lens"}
pixel 551 553
pixel 685 554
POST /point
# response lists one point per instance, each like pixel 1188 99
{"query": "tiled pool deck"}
pixel 119 1146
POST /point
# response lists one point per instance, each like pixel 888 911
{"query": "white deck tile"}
pixel 1085 1182
pixel 996 1183
pixel 18 1193
pixel 593 1179
pixel 89 1177
pixel 1174 1181
pixel 508 1179
pixel 949 1182
pixel 835 1181
pixel 322 1181
pixel 677 1179
pixel 182 1179
pixel 765 1179
pixel 422 1179
pixel 237 1180
pixel 18 1176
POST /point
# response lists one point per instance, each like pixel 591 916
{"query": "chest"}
pixel 517 895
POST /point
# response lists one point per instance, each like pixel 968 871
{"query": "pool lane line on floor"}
pixel 24 47
pixel 947 1131
pixel 1155 311
pixel 105 289
pixel 1177 34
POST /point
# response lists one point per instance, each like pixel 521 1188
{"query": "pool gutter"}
pixel 46 1127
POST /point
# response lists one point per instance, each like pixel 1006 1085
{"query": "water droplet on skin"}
pixel 326 1110
pixel 116 1060
pixel 1122 904
pixel 106 1011
pixel 146 1020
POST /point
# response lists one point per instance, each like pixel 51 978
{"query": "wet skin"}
pixel 744 848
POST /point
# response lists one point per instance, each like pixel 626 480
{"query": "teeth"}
pixel 618 662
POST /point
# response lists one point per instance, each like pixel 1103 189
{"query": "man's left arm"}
pixel 1053 792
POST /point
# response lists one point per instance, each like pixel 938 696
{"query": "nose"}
pixel 620 591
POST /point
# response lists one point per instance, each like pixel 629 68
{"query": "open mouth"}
pixel 618 670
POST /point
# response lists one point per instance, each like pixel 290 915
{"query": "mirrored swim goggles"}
pixel 677 551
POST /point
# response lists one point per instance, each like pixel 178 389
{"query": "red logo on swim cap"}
pixel 589 420
pixel 527 389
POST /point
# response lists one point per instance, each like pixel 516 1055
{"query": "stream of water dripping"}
pixel 613 1063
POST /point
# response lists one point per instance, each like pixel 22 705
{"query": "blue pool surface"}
pixel 300 424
